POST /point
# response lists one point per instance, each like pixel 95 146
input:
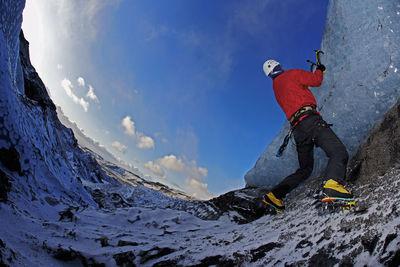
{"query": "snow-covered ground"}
pixel 154 236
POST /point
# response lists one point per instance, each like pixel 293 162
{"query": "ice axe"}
pixel 317 53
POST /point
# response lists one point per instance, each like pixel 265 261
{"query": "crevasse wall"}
pixel 10 23
pixel 361 41
pixel 50 168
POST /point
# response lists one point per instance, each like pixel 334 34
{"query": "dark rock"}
pixel 34 86
pixel 70 254
pixel 123 243
pixel 10 159
pixel 389 238
pixel 67 215
pixel 217 260
pixel 154 253
pixel 303 244
pixel 380 152
pixel 346 262
pixel 246 202
pixel 393 260
pixel 346 226
pixel 5 186
pixel 322 258
pixel 65 254
pixel 103 241
pixel 6 255
pixel 118 201
pixel 166 263
pixel 125 259
pixel 136 219
pixel 369 242
pixel 98 197
pixel 51 201
pixel 109 201
pixel 2 245
pixel 260 252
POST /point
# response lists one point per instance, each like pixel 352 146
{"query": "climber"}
pixel 309 129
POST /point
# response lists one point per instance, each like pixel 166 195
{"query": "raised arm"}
pixel 313 79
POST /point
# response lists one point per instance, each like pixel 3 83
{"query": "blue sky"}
pixel 176 87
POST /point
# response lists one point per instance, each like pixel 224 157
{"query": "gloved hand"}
pixel 321 67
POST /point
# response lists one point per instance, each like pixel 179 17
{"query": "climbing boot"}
pixel 274 202
pixel 336 191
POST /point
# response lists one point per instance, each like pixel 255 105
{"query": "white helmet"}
pixel 269 66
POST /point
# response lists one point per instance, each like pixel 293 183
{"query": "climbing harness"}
pixel 300 113
pixel 298 116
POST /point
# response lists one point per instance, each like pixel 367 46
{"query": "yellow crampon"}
pixel 349 205
pixel 273 207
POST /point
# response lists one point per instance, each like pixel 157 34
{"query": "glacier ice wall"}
pixel 361 41
pixel 38 154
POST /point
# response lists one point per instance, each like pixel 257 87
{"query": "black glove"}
pixel 321 67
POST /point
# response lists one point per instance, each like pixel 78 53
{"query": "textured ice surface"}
pixel 49 158
pixel 361 41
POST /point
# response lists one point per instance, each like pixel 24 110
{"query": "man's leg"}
pixel 335 172
pixel 306 162
pixel 327 140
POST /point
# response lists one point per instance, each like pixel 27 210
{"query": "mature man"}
pixel 309 129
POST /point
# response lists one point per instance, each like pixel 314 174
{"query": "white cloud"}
pixel 197 189
pixel 118 146
pixel 81 81
pixel 194 184
pixel 59 67
pixel 81 18
pixel 91 95
pixel 155 168
pixel 171 162
pixel 129 125
pixel 202 171
pixel 145 142
pixel 67 85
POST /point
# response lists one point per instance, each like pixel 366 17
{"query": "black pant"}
pixel 313 130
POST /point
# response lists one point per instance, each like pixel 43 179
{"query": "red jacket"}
pixel 291 89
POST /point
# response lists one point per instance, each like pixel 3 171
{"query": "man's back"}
pixel 291 89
